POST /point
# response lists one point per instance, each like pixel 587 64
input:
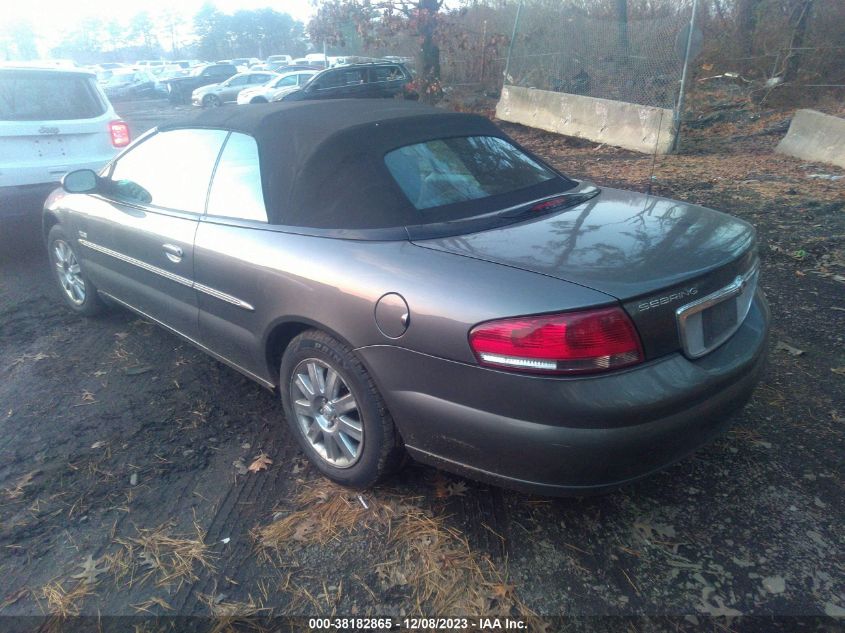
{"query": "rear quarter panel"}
pixel 336 283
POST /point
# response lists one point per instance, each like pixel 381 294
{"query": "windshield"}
pixel 445 171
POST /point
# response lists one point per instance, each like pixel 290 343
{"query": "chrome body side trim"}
pixel 217 294
pixel 137 262
pixel 223 296
pixel 264 383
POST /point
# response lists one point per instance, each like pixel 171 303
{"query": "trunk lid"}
pixel 653 254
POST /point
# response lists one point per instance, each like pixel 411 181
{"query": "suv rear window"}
pixel 48 97
pixel 446 171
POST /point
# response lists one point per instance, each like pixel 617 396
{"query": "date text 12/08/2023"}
pixel 450 624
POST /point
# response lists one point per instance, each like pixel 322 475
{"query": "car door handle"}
pixel 174 253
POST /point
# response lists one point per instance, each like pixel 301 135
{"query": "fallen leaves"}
pixel 790 349
pixel 456 489
pixel 261 462
pixel 92 568
pixel 304 531
pixel 839 371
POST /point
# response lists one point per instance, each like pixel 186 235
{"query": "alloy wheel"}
pixel 69 274
pixel 327 413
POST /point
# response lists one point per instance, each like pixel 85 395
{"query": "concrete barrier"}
pixel 636 127
pixel 815 136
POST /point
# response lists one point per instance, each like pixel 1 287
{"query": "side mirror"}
pixel 80 181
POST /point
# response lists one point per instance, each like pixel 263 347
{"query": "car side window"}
pixel 239 81
pixel 386 73
pixel 171 169
pixel 236 190
pixel 355 77
pixel 286 81
pixel 259 78
pixel 329 80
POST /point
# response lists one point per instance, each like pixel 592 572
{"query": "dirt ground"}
pixel 125 486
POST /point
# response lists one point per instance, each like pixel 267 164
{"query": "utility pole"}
pixel 483 50
pixel 679 111
pixel 513 37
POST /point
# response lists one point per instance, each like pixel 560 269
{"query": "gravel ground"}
pixel 120 442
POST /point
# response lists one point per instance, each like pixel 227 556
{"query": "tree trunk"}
pixel 746 24
pixel 429 52
pixel 793 61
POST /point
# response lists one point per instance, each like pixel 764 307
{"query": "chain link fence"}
pixel 640 61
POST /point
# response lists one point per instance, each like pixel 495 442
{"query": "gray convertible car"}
pixel 412 281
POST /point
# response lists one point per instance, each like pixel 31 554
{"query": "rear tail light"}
pixel 573 342
pixel 119 131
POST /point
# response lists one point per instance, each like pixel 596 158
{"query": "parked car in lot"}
pixel 51 122
pixel 265 92
pixel 227 91
pixel 180 89
pixel 357 81
pixel 410 279
pixel 311 63
pixel 246 62
pixel 278 59
pixel 130 84
pixel 286 68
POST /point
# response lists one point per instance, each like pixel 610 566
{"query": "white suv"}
pixel 52 121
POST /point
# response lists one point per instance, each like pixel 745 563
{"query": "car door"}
pixel 355 85
pixel 229 90
pixel 229 278
pixel 343 83
pixel 258 79
pixel 139 236
pixel 386 81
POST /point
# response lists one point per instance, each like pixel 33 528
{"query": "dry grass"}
pixel 232 609
pixel 16 491
pixel 328 512
pixel 64 603
pixel 20 360
pixel 158 554
pixel 235 616
pixel 423 555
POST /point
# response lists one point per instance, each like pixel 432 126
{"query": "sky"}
pixel 52 18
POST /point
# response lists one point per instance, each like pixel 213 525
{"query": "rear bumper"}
pixel 568 436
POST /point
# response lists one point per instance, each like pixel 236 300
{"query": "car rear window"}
pixel 48 97
pixel 447 171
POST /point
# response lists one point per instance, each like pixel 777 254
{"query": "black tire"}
pixel 382 450
pixel 91 304
pixel 258 100
pixel 211 101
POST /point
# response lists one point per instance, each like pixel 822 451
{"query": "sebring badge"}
pixel 670 298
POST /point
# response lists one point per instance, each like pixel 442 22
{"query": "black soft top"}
pixel 322 162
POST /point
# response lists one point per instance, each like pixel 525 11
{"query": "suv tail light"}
pixel 568 343
pixel 119 131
